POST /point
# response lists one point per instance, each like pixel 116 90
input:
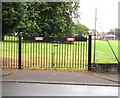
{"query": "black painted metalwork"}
pixel 46 52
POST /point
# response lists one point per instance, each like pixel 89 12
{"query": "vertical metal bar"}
pixel 55 59
pixel 3 51
pixel 75 52
pixel 7 45
pixel 67 52
pixel 19 55
pixel 8 52
pixel 51 54
pixel 85 53
pixel 23 50
pixel 59 53
pixel 26 53
pixel 41 53
pixel 7 49
pixel 33 46
pixel 74 55
pixel 71 56
pixel 67 55
pixel 89 53
pixel 48 64
pixel 81 56
pixel 36 55
pixel 64 54
pixel 14 52
pixel 32 55
pixel 46 53
pixel 78 55
pixel 17 50
pixel 64 46
pixel 29 52
pixel 31 59
pixel 56 51
pixel 11 51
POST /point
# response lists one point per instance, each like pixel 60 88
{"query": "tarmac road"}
pixel 36 89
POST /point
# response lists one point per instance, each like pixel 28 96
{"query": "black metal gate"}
pixel 46 52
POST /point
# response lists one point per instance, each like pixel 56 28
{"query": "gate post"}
pixel 19 52
pixel 89 52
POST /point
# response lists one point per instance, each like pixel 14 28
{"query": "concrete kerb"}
pixel 110 79
pixel 62 83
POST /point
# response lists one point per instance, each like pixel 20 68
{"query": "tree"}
pixel 117 32
pixel 48 18
pixel 111 31
pixel 12 13
pixel 81 29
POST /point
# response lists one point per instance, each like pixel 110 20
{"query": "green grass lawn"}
pixel 58 55
pixel 104 53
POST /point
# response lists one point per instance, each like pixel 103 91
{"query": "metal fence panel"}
pixel 45 52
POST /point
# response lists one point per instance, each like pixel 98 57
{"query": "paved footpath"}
pixel 59 77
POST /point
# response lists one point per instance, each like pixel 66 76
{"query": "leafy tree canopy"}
pixel 12 13
pixel 48 18
pixel 81 29
pixel 41 18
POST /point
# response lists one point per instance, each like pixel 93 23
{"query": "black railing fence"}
pixel 46 52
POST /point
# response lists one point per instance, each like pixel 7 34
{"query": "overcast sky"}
pixel 107 14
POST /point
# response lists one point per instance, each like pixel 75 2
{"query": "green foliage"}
pixel 39 18
pixel 117 32
pixel 81 29
pixel 12 13
pixel 48 18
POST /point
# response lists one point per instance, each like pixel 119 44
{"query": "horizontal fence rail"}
pixel 45 52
